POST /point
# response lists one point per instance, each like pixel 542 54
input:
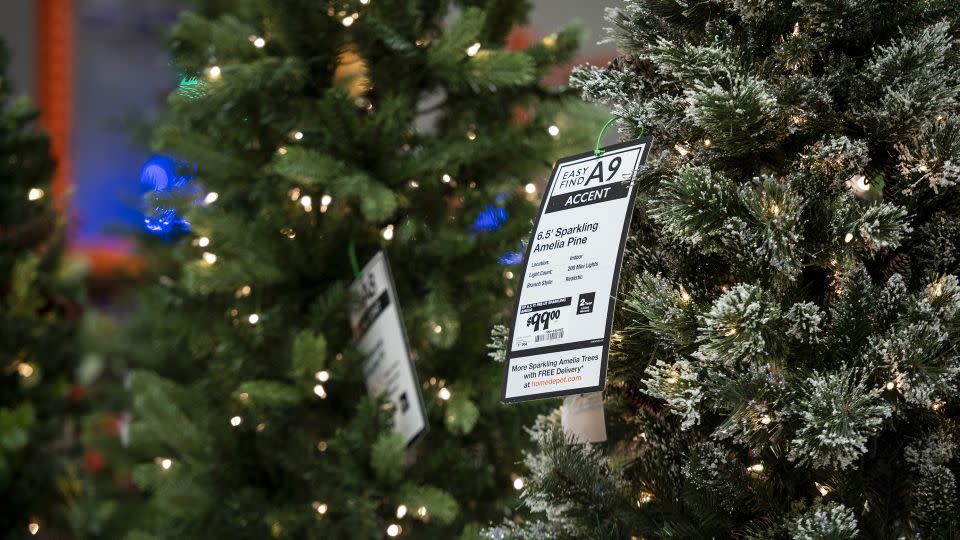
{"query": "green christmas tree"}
pixel 39 313
pixel 318 131
pixel 786 363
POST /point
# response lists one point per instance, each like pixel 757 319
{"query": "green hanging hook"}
pixel 596 149
pixel 352 251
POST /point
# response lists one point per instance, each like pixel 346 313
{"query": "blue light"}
pixel 511 258
pixel 165 180
pixel 491 218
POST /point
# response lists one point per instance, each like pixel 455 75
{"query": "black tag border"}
pixel 641 161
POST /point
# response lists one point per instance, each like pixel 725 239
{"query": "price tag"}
pixel 560 335
pixel 379 332
pixel 582 417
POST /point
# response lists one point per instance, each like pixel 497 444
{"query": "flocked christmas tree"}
pixel 39 313
pixel 317 129
pixel 786 358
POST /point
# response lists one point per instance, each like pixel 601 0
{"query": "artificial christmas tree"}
pixel 321 134
pixel 39 315
pixel 786 360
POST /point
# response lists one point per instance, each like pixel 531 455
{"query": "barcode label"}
pixel 549 336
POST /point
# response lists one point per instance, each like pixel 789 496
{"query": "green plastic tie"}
pixel 353 259
pixel 596 149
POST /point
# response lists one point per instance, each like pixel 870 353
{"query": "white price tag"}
pixel 582 417
pixel 560 335
pixel 378 329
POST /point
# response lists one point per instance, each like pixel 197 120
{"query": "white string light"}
pixel 323 376
pixel 298 135
pixel 446 178
pixel 518 483
pixel 33 528
pixel 401 511
pixel 35 194
pixel 444 394
pixel 394 530
pixel 553 131
pixel 347 21
pixel 388 232
pixel 848 238
pixel 211 197
pixel 307 203
pixel 203 241
pixel 320 391
pixel 473 49
pixel 530 188
pixel 166 463
pixel 236 421
pixel 214 72
pixel 209 258
pixel 422 511
pixel 259 42
pixel 253 318
pixel 320 507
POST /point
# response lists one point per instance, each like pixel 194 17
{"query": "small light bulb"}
pixel 473 49
pixel 530 188
pixel 326 200
pixel 282 150
pixel 774 209
pixel 471 135
pixel 25 370
pixel 822 488
pixel 253 318
pixel 236 421
pixel 890 385
pixel 209 258
pixel 320 507
pixel 518 483
pixel 323 376
pixel 413 184
pixel 322 446
pixel 34 528
pixel 214 72
pixel 756 467
pixel 319 391
pixel 364 2
pixel 446 178
pixel 422 511
pixel 730 332
pixel 306 201
pixel 203 241
pixel 437 329
pixel 259 42
pixel 848 238
pixel 35 194
pixel 388 232
pixel 765 419
pixel 166 463
pixel 553 131
pixel 245 290
pixel 443 394
pixel 707 142
pixel 347 21
pixel 401 511
pixel 644 498
pixel 508 274
pixel 684 295
pixel 298 135
pixel 211 197
pixel 393 530
pixel 859 183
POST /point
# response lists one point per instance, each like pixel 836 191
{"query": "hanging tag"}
pixel 563 317
pixel 582 417
pixel 380 335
